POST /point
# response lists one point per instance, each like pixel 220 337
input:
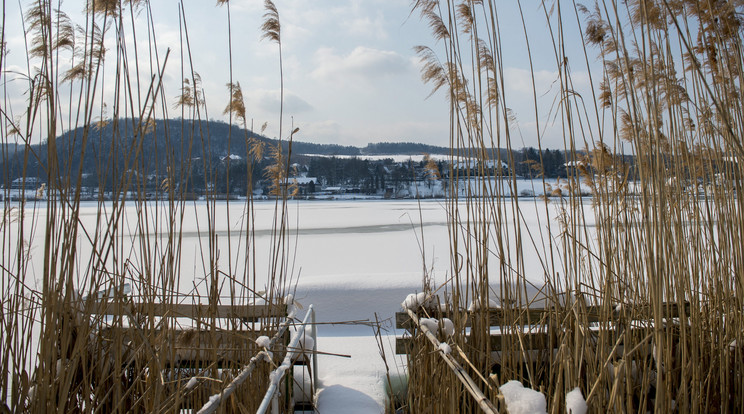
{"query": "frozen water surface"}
pixel 351 259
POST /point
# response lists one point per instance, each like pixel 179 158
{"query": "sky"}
pixel 350 73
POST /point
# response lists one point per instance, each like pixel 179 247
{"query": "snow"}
pixel 520 187
pixel 192 383
pixel 431 324
pixel 445 348
pixel 304 180
pixel 263 341
pixel 303 390
pixel 414 301
pixel 395 157
pixel 475 305
pixel 448 327
pixel 305 344
pixel 521 400
pixel 354 259
pixel 575 403
pixel 355 384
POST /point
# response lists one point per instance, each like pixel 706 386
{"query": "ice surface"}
pixel 351 259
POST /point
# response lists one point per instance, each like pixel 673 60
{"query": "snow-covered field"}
pixel 351 259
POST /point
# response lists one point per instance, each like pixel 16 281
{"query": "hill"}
pixel 115 147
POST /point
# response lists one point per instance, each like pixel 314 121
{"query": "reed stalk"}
pixel 655 253
pixel 91 289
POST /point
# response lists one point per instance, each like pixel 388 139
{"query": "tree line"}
pixel 194 156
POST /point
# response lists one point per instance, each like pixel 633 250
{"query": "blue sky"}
pixel 350 73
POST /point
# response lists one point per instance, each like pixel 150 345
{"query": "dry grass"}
pixel 668 227
pixel 58 353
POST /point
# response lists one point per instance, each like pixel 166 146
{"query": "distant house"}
pixel 232 158
pixel 495 167
pixel 305 185
pixel 31 183
pixel 575 168
pixel 475 167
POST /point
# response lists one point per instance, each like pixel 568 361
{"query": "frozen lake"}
pixel 350 258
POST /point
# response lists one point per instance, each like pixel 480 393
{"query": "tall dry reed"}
pixel 66 261
pixel 641 286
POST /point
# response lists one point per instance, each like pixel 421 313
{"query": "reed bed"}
pixel 90 289
pixel 661 235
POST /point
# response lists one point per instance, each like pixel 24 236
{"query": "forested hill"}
pixel 169 142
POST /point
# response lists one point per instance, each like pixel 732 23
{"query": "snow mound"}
pixel 305 345
pixel 263 341
pixel 575 403
pixel 192 383
pixel 520 400
pixel 431 324
pixel 445 348
pixel 448 327
pixel 414 301
pixel 475 305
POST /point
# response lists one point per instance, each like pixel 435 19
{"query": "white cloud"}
pixel 366 26
pixel 414 131
pixel 361 19
pixel 246 7
pixel 322 131
pixel 293 34
pixel 520 80
pixel 268 100
pixel 362 62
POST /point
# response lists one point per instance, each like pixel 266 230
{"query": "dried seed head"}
pixel 103 7
pixel 271 27
pixel 236 105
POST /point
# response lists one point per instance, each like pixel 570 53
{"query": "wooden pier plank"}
pixel 247 312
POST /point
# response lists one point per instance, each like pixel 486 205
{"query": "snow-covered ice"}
pixel 355 384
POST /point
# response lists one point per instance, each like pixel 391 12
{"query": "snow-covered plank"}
pixel 526 316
